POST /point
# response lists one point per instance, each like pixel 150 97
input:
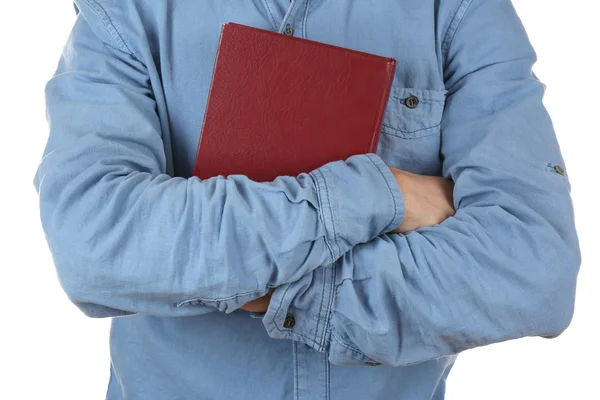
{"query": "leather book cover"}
pixel 282 105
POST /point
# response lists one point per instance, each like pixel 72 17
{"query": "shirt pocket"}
pixel 410 133
pixel 412 113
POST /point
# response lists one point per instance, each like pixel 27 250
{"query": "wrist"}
pixel 358 200
pixel 405 182
pixel 428 200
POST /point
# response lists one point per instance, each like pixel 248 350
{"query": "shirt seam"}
pixel 324 206
pixel 349 347
pixel 324 272
pixel 421 100
pixel 221 299
pixel 335 235
pixel 389 225
pixel 110 27
pixel 321 215
pixel 305 18
pixel 327 317
pixel 327 378
pixel 453 26
pixel 407 131
pixel 273 20
pixel 297 369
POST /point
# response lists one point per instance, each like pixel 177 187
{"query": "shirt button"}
pixel 288 30
pixel 411 101
pixel 559 170
pixel 289 321
pixel 373 364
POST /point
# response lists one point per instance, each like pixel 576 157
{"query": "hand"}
pixel 428 199
pixel 259 305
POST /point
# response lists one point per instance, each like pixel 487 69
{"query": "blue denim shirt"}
pixel 358 312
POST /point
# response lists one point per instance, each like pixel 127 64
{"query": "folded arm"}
pixel 503 267
pixel 126 237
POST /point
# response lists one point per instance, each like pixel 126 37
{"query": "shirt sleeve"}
pixel 504 267
pixel 126 237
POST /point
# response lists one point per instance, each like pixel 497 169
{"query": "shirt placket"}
pixel 311 373
pixel 311 368
pixel 293 22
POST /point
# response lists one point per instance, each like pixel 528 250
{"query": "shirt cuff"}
pixel 359 200
pixel 301 310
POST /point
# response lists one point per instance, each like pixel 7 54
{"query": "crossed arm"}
pixel 128 238
pixel 428 201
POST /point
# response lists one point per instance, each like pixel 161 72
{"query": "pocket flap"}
pixel 412 112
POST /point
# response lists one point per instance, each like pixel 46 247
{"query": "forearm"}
pixel 150 243
pixel 497 270
pixel 128 238
pixel 503 267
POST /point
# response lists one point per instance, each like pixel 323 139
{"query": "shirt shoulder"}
pixel 121 23
pixel 449 16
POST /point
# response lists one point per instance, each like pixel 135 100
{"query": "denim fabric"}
pixel 377 315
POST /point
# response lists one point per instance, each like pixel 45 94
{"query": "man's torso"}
pixel 218 356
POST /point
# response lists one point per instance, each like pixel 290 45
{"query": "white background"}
pixel 49 349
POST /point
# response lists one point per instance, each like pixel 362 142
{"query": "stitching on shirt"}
pixel 289 332
pixel 327 378
pixel 320 186
pixel 273 20
pixel 421 100
pixel 321 216
pixel 290 13
pixel 308 339
pixel 277 315
pixel 349 347
pixel 295 348
pixel 453 26
pixel 217 299
pixel 305 19
pixel 279 307
pixel 391 193
pixel 330 306
pixel 335 236
pixel 110 26
pixel 416 130
pixel 321 304
pixel 337 285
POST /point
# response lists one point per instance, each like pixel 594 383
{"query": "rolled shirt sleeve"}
pixel 127 237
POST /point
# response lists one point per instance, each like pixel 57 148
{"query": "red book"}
pixel 281 105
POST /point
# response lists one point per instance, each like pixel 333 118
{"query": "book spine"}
pixel 385 94
pixel 196 170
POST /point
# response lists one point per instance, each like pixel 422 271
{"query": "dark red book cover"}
pixel 281 105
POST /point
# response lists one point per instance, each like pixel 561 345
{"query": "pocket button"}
pixel 411 101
